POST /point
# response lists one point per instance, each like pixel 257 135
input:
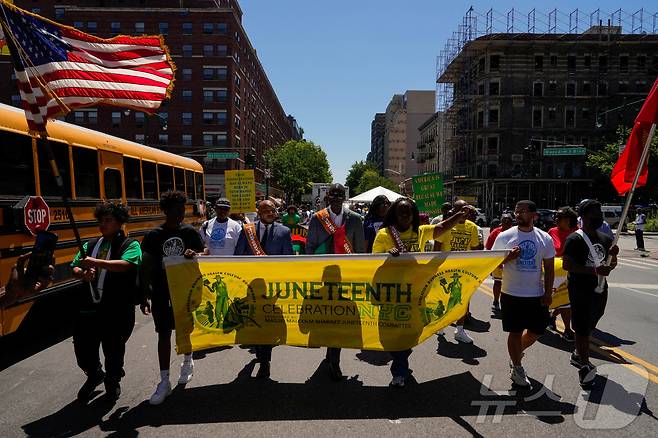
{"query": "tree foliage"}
pixel 371 179
pixel 605 158
pixel 296 164
pixel 355 174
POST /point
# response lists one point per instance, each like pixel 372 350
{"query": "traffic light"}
pixel 250 158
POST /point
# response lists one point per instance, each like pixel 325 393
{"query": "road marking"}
pixel 641 262
pixel 635 285
pixel 639 292
pixel 645 268
pixel 608 351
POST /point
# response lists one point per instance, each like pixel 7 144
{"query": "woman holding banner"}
pixel 402 232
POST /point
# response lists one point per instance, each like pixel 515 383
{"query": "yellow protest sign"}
pixel 372 302
pixel 561 295
pixel 240 190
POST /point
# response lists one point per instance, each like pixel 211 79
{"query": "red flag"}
pixel 626 166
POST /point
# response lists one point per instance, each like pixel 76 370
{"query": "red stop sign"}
pixel 36 215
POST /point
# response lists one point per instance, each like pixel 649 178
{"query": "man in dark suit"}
pixel 260 238
pixel 335 230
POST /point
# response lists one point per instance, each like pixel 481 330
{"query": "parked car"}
pixel 612 215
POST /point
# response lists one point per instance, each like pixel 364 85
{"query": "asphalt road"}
pixel 459 390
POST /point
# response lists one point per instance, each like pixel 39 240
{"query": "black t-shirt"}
pixel 163 242
pixel 576 248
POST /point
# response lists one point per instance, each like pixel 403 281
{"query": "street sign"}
pixel 36 215
pixel 428 192
pixel 223 155
pixel 574 150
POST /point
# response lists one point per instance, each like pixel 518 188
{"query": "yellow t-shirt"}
pixel 461 237
pixel 413 242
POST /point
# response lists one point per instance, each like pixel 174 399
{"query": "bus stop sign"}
pixel 36 215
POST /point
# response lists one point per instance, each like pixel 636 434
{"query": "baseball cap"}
pixel 223 202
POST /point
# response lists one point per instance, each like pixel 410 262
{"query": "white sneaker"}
pixel 519 378
pixel 462 336
pixel 398 381
pixel 161 392
pixel 186 372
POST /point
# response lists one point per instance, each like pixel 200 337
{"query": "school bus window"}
pixel 112 184
pixel 87 180
pixel 180 178
pixel 46 178
pixel 150 181
pixel 198 176
pixel 166 177
pixel 189 184
pixel 132 177
pixel 16 164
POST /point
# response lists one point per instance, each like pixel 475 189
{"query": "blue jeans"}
pixel 400 364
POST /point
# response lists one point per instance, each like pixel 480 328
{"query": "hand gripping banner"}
pixel 370 302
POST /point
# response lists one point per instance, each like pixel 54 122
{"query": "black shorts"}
pixel 587 308
pixel 523 313
pixel 163 313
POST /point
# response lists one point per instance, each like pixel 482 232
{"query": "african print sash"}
pixel 252 239
pixel 396 239
pixel 342 244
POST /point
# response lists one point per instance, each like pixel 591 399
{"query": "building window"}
pixel 116 119
pixel 641 62
pixel 187 95
pixel 78 116
pixel 187 28
pixel 207 139
pixel 537 114
pixel 222 75
pixel 587 88
pixel 187 50
pixel 208 117
pixel 139 118
pixel 208 28
pixel 139 138
pixel 553 60
pixel 570 89
pixel 187 118
pixel 480 121
pixel 222 117
pixel 208 73
pixel 623 87
pixel 59 13
pixel 570 118
pixel 78 25
pixel 139 27
pixel 187 74
pixel 641 86
pixel 603 89
pixel 92 26
pixel 571 62
pixel 539 62
pixel 494 63
pixel 551 114
pixel 16 100
pixel 538 89
pixel 494 88
pixel 552 86
pixel 481 63
pixel 163 28
pixel 115 27
pixel 603 64
pixel 222 140
pixel 587 61
pixel 623 63
pixel 222 28
pixel 492 146
pixel 163 138
pixel 222 95
pixel 222 50
pixel 493 118
pixel 186 139
pixel 92 117
pixel 208 95
pixel 585 113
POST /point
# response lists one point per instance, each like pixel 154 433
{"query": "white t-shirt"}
pixel 221 237
pixel 523 277
pixel 640 220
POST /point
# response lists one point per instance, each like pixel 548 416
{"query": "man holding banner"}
pixel 260 238
pixel 335 230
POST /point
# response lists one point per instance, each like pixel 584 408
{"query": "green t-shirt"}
pixel 132 254
pixel 290 220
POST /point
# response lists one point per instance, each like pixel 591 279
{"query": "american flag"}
pixel 59 68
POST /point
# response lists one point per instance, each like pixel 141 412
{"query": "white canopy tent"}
pixel 371 194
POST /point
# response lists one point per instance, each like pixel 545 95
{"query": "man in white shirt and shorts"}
pixel 526 293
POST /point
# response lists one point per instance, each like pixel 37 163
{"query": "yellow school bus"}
pixel 94 166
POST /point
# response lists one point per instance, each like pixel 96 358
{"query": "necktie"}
pixel 263 239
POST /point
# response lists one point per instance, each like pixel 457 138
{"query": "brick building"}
pixel 377 131
pixel 222 100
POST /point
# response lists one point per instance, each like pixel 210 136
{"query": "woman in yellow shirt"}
pixel 402 232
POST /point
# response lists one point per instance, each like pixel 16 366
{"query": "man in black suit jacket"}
pixel 320 240
pixel 264 237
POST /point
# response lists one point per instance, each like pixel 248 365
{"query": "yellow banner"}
pixel 370 302
pixel 240 190
pixel 561 295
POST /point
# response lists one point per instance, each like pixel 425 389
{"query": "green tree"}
pixel 354 176
pixel 604 160
pixel 296 165
pixel 371 179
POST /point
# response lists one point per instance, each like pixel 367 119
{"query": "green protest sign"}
pixel 428 192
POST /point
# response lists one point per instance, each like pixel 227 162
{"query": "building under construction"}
pixel 528 96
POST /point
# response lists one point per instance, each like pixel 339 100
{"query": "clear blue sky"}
pixel 334 64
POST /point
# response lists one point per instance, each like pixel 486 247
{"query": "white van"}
pixel 612 215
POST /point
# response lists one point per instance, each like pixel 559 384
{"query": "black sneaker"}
pixel 263 370
pixel 334 371
pixel 93 380
pixel 569 336
pixel 575 361
pixel 112 389
pixel 552 324
pixel 586 375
